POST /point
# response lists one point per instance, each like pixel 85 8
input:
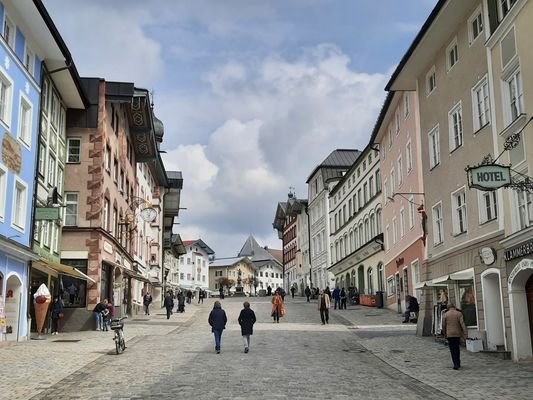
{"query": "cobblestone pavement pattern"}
pixel 362 353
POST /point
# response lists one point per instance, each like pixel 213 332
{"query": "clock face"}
pixel 148 214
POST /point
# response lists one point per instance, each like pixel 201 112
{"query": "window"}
pixel 3 192
pixel 438 228
pixel 400 171
pixel 29 60
pixel 370 279
pixel 392 181
pixel 46 233
pixel 115 170
pixel 402 223
pixel 431 81
pixel 514 93
pixel 365 192
pixel 411 212
pixel 391 288
pixel 9 32
pixel 451 55
pixel 397 120
pixel 488 206
pixel 6 95
pixel 434 148
pixel 525 209
pixel 20 195
pixel 371 186
pixel 459 211
pixel 105 215
pixel 406 105
pixel 42 159
pixel 71 209
pixel 108 159
pixel 114 222
pixel 468 302
pixel 475 25
pixel 505 7
pixel 386 191
pixel 481 104
pixel 390 144
pixel 378 181
pixel 51 170
pixel 73 150
pixel 54 109
pixel 455 123
pixel 59 181
pixel 409 156
pixel 25 118
pixel 188 262
pixel 394 231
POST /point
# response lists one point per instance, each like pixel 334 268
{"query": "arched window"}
pixel 367 231
pixel 381 278
pixel 370 280
pixel 372 225
pixel 346 245
pixel 361 235
pixel 378 221
pixel 342 248
pixel 352 245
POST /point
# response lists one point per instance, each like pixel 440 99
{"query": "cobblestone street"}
pixel 362 353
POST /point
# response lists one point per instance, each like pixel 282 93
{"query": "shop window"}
pixel 72 290
pixel 468 302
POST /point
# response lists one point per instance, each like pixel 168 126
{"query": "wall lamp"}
pixel 403 194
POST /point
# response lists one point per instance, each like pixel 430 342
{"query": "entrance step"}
pixel 501 354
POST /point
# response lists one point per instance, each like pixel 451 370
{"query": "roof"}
pixel 228 262
pixel 199 243
pixel 337 159
pixel 278 254
pixel 252 249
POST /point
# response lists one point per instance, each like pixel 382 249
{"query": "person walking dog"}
pixel 453 329
pixel 217 319
pixel 247 321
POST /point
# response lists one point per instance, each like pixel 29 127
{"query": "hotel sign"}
pixel 488 177
pixel 519 251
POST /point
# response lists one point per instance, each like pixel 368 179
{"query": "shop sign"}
pixel 46 213
pixel 487 255
pixel 488 177
pixel 519 251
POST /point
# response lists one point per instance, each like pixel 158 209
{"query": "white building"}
pixel 323 176
pixel 194 265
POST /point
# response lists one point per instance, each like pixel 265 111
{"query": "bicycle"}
pixel 117 325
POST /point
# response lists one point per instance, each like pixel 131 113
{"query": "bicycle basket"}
pixel 116 324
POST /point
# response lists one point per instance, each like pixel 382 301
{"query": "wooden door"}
pixel 529 294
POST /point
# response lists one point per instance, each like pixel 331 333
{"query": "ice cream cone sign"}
pixel 41 300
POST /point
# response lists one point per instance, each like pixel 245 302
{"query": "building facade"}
pixel 324 176
pixel 224 273
pixel 194 265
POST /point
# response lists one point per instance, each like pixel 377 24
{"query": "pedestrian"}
pixel 411 307
pixel 169 304
pixel 269 291
pixel 453 329
pixel 324 303
pixel 106 317
pixel 97 312
pixel 282 294
pixel 221 291
pixel 307 293
pixel 147 300
pixel 293 290
pixel 246 321
pixel 277 306
pixel 343 299
pixel 189 296
pixel 217 320
pixel 181 302
pixel 201 297
pixel 336 297
pixel 328 292
pixel 57 314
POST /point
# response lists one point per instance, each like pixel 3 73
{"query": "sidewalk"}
pixel 32 366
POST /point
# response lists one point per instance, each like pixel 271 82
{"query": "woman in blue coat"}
pixel 247 321
pixel 217 320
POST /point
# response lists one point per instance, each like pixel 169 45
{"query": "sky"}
pixel 253 94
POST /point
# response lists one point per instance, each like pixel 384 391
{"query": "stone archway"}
pixel 348 282
pixel 492 305
pixel 518 303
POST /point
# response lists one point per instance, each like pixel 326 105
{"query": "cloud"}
pixel 273 122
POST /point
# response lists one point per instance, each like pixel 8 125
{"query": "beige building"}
pixel 447 66
pixel 229 270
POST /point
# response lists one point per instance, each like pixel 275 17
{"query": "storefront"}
pixel 519 267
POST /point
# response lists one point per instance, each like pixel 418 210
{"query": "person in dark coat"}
pixel 247 321
pixel 57 314
pixel 169 304
pixel 307 293
pixel 343 299
pixel 181 302
pixel 412 307
pixel 269 291
pixel 217 319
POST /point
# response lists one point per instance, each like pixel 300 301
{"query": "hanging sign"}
pixel 488 177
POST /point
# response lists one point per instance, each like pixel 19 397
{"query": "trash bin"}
pixel 379 299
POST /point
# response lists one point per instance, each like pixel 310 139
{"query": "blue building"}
pixel 25 39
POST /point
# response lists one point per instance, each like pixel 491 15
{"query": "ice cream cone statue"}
pixel 41 301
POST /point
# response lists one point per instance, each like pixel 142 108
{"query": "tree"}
pixel 227 282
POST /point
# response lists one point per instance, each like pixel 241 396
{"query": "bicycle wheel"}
pixel 117 344
pixel 122 341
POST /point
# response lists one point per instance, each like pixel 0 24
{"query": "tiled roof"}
pixel 226 262
pixel 337 159
pixel 252 249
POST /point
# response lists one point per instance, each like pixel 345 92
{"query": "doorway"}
pixel 493 309
pixel 529 296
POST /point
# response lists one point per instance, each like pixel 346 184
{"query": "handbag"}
pixel 61 315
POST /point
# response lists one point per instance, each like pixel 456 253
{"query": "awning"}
pixel 134 275
pixel 63 269
pixel 456 276
pixel 155 282
pixel 428 285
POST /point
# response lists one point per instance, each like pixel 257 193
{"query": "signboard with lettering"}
pixel 489 177
pixel 521 250
pixel 46 213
